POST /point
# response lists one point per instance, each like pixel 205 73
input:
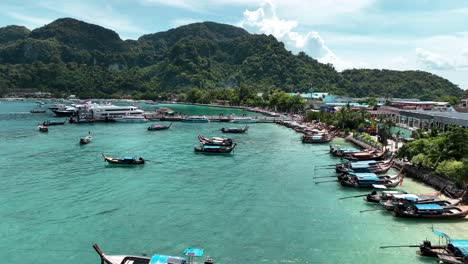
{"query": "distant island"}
pixel 69 56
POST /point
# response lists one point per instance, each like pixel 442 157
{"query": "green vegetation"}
pixel 446 153
pixel 277 100
pixel 69 56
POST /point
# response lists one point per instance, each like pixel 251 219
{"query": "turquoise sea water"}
pixel 259 205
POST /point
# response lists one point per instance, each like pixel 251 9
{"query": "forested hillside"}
pixel 71 56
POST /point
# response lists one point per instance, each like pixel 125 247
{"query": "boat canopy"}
pixel 439 233
pixel 360 166
pixel 368 178
pixel 162 259
pixel 128 158
pixel 363 174
pixel 196 252
pixel 379 186
pixel 428 206
pixel 211 147
pixel 409 197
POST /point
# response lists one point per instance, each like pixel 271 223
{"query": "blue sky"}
pixel 429 35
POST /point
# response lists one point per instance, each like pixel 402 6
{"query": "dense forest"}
pixel 69 56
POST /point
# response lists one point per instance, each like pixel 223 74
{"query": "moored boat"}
pixel 318 138
pixel 124 160
pixel 131 119
pixel 159 127
pixel 215 149
pixel 363 156
pixel 243 120
pixel 189 254
pixel 215 141
pixel 196 119
pixel 367 181
pixel 234 129
pixel 430 211
pixel 65 112
pixel 53 123
pixel 86 140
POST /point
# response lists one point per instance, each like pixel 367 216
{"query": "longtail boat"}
pixel 215 149
pixel 234 129
pixel 376 196
pixel 367 181
pixel 215 141
pixel 318 138
pixel 189 255
pixel 430 211
pixel 53 123
pixel 378 168
pixel 393 202
pixel 124 160
pixel 451 249
pixel 360 156
pixel 86 140
pixel 159 127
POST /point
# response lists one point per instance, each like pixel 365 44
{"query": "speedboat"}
pixel 131 119
pixel 196 119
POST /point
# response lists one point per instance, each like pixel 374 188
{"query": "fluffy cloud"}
pixel 265 20
pixel 437 61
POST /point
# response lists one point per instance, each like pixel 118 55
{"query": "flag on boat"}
pixel 439 233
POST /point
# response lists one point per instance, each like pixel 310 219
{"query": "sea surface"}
pixel 259 205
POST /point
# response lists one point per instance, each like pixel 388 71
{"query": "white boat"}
pixel 189 254
pixel 196 119
pixel 131 119
pixel 243 120
pixel 86 140
pixel 111 112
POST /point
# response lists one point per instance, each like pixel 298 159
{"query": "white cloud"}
pixel 104 16
pixel 266 21
pixel 437 61
pixel 30 21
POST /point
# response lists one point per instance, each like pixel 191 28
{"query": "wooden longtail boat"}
pixel 367 182
pixel 159 127
pixel 215 149
pixel 380 168
pixel 376 197
pixel 234 130
pixel 215 141
pixel 189 254
pixel 53 123
pixel 452 250
pixel 430 211
pixel 392 203
pixel 318 138
pixel 360 156
pixel 124 160
pixel 86 140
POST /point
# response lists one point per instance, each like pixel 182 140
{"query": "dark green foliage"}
pixel 13 33
pixel 71 56
pixel 446 153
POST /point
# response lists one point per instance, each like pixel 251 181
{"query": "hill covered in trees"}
pixel 71 56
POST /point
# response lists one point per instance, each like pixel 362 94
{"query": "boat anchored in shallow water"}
pixel 124 160
pixel 159 127
pixel 189 255
pixel 234 130
pixel 215 149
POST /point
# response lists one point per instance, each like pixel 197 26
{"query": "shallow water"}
pixel 259 205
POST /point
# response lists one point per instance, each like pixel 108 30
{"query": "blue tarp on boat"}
pixel 459 242
pixel 439 233
pixel 428 207
pixel 363 174
pixel 368 178
pixel 196 252
pixel 360 166
pixel 212 147
pixel 162 259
